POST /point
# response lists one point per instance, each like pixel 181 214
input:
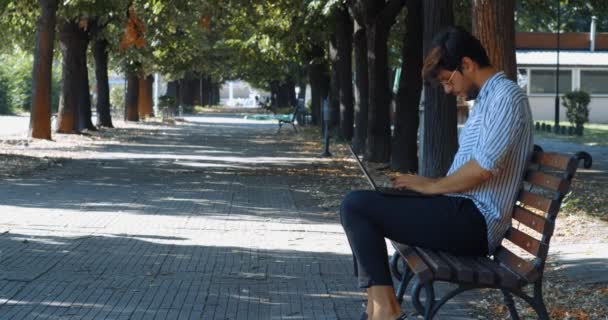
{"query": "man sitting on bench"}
pixel 472 212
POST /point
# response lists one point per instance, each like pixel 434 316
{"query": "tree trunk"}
pixel 40 120
pixel 188 92
pixel 273 94
pixel 216 93
pixel 404 155
pixel 100 54
pixel 494 26
pixel 361 89
pixel 377 17
pixel 144 98
pixel 334 83
pixel 131 113
pixel 73 49
pixel 172 89
pixel 84 94
pixel 378 131
pixel 344 42
pixel 439 132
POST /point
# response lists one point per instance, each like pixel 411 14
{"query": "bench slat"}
pixel 462 271
pixel 516 264
pixel 551 159
pixel 535 201
pixel 414 261
pixel 526 242
pixel 482 274
pixel 505 277
pixel 441 269
pixel 547 181
pixel 531 220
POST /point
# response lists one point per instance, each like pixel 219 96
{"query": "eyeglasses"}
pixel 449 83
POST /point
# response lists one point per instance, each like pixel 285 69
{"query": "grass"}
pixel 593 135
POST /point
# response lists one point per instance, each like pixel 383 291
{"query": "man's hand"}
pixel 468 176
pixel 413 182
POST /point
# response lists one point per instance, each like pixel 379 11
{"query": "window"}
pixel 522 78
pixel 543 81
pixel 594 81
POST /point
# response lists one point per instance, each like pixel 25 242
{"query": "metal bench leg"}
pixel 536 301
pixel 404 277
pixel 539 304
pixel 510 304
pixel 429 302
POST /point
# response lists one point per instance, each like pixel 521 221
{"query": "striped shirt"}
pixel 498 136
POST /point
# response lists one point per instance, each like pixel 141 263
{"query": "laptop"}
pixel 385 190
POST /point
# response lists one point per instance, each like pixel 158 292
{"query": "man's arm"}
pixel 470 175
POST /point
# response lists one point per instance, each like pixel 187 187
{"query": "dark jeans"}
pixel 444 223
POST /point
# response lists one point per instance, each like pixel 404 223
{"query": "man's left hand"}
pixel 417 183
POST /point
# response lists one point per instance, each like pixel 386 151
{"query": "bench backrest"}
pixel 547 180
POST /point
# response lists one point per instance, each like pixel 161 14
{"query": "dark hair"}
pixel 448 48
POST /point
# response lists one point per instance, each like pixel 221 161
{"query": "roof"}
pixel 570 58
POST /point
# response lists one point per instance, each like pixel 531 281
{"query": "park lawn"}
pixel 594 134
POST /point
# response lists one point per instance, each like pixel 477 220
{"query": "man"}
pixel 471 209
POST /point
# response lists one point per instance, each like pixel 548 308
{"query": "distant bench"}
pixel 515 265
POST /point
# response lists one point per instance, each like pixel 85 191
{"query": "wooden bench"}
pixel 520 260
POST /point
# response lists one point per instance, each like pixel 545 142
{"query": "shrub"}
pixel 577 110
pixel 117 97
pixel 166 101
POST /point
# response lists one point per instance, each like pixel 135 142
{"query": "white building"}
pixel 584 70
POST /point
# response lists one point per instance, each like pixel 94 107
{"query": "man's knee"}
pixel 353 203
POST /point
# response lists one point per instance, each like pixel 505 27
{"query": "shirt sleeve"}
pixel 501 129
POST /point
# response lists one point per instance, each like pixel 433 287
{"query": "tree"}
pixel 100 54
pixel 494 26
pixel 344 44
pixel 439 132
pixel 361 88
pixel 131 108
pixel 541 15
pixel 144 97
pixel 40 121
pixel 377 17
pixel 404 155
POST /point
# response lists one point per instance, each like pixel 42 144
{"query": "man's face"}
pixel 454 82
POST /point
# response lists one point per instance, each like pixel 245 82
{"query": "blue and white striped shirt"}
pixel 498 136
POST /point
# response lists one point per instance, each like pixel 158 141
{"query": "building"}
pixel 583 61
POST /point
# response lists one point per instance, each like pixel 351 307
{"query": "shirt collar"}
pixel 490 84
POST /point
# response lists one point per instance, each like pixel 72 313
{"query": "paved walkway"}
pixel 183 224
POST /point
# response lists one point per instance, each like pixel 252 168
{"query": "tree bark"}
pixel 145 107
pixel 494 26
pixel 188 91
pixel 378 17
pixel 131 112
pixel 216 93
pixel 344 42
pixel 172 89
pixel 73 46
pixel 40 120
pixel 404 155
pixel 274 94
pixel 361 89
pixel 439 132
pixel 84 95
pixel 100 54
pixel 334 82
